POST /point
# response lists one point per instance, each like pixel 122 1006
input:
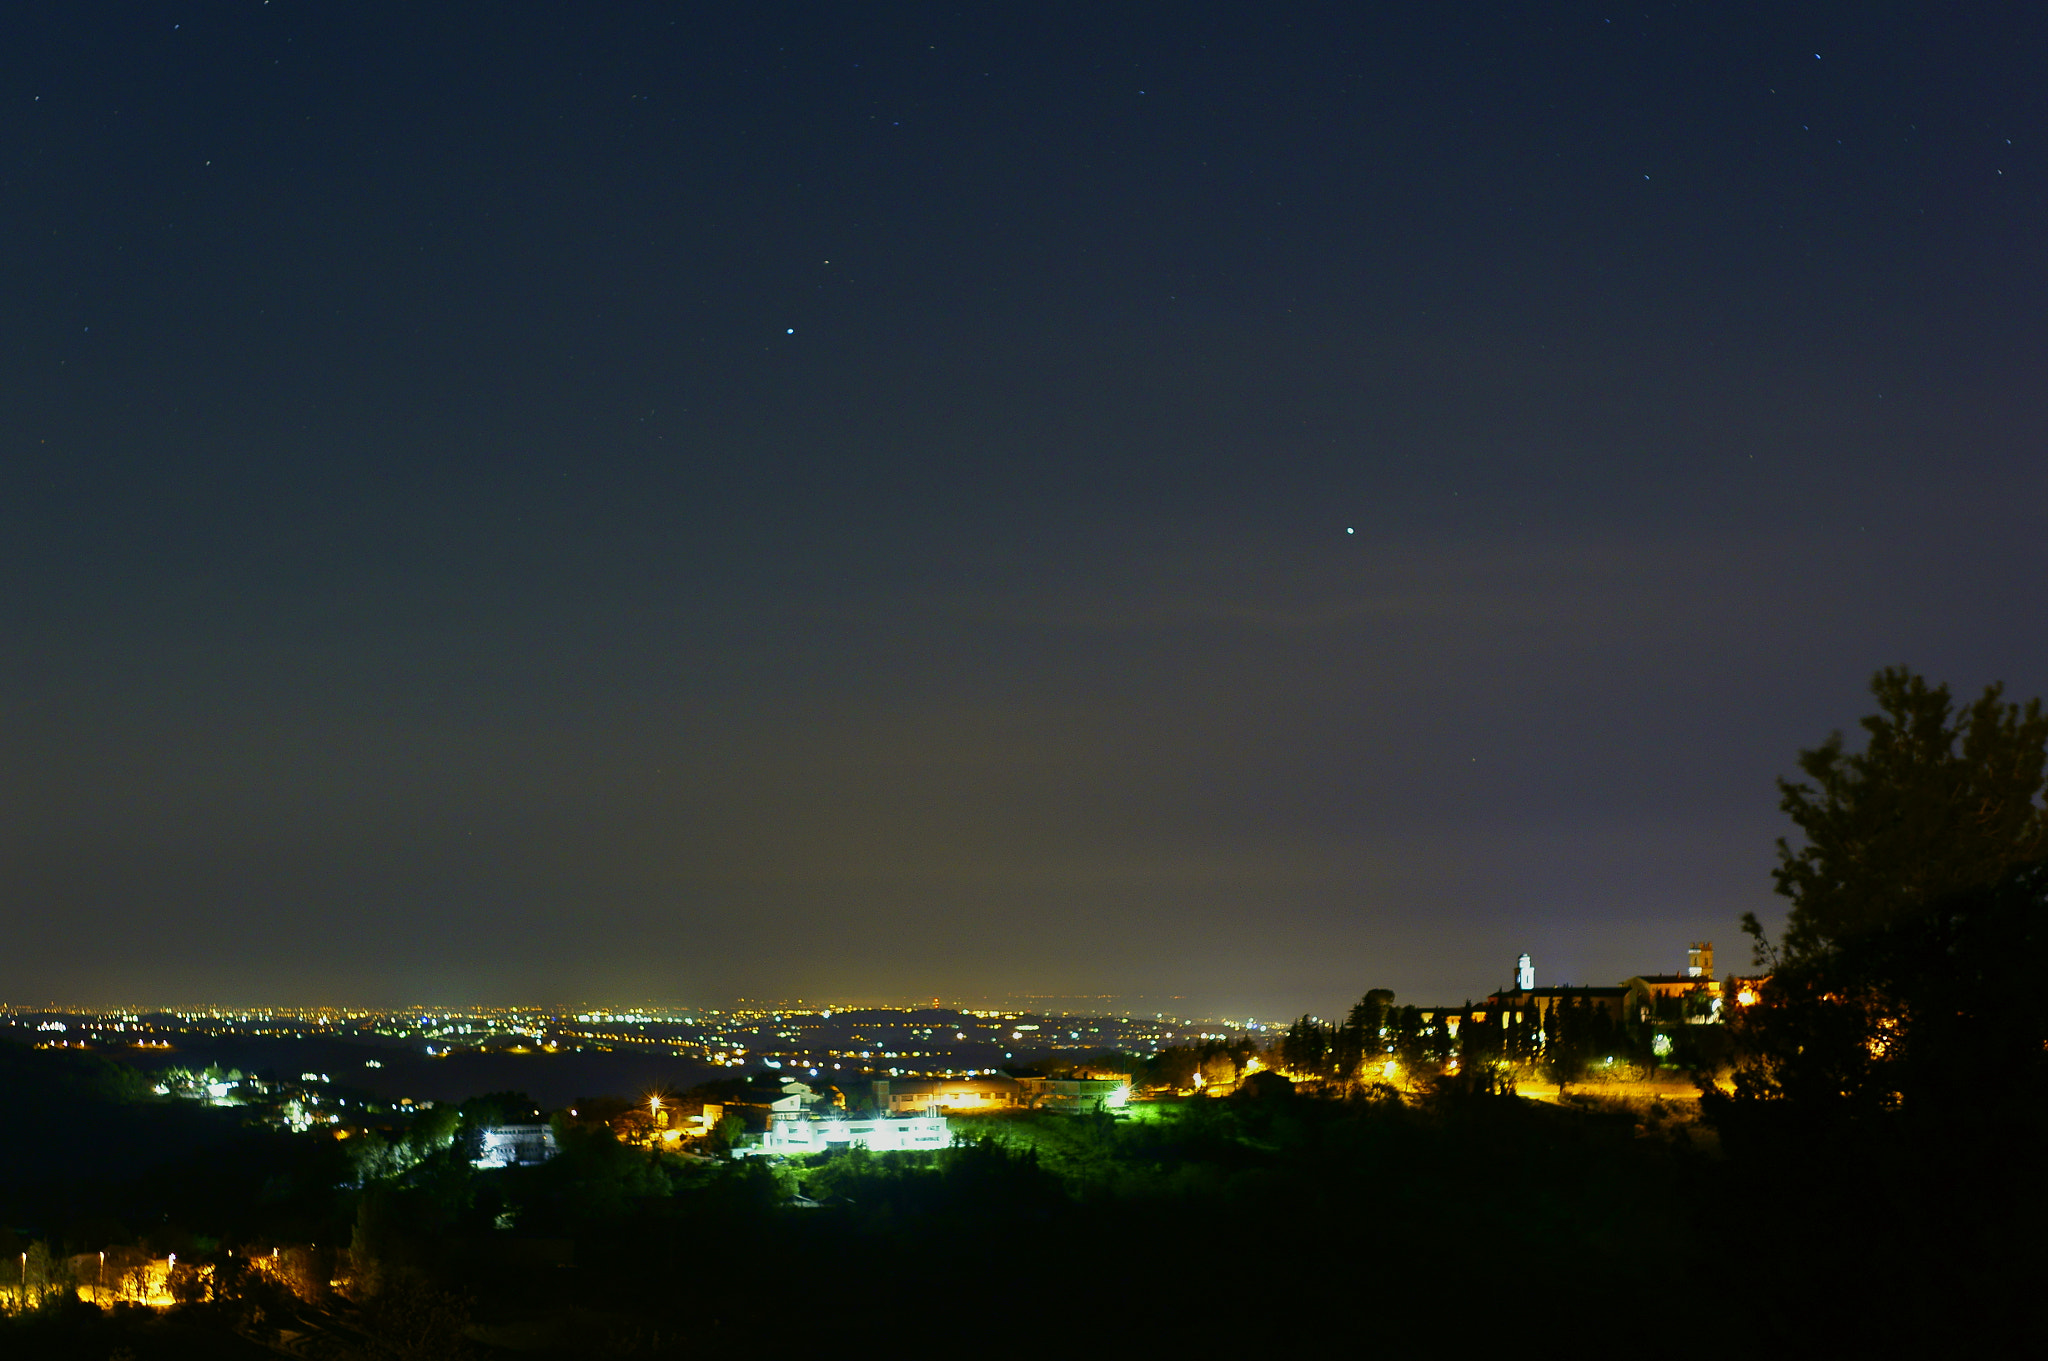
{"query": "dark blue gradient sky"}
pixel 539 502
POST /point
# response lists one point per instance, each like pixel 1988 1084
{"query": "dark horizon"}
pixel 1248 506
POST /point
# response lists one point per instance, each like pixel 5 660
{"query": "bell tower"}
pixel 1699 959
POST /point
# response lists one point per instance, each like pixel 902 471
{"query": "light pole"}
pixel 99 1288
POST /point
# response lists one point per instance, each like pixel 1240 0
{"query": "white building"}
pixel 792 1135
pixel 516 1146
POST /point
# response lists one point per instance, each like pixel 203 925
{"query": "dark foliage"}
pixel 1901 1128
pixel 90 1147
pixel 1937 802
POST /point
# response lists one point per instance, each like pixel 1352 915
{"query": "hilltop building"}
pixel 801 1121
pixel 1074 1093
pixel 900 1096
pixel 908 1111
pixel 1543 1000
pixel 516 1146
pixel 1694 997
pixel 788 1136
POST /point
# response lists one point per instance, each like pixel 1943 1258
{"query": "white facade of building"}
pixel 789 1136
pixel 516 1146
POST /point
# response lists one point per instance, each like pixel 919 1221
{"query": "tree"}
pixel 1438 1048
pixel 1348 1049
pixel 1926 1026
pixel 1174 1066
pixel 727 1133
pixel 1306 1048
pixel 127 1272
pixel 1219 1069
pixel 41 1272
pixel 413 1318
pixel 1564 1040
pixel 1360 1043
pixel 1524 1037
pixel 1601 1036
pixel 187 1283
pixel 1937 802
pixel 432 1130
pixel 1903 999
pixel 1410 1049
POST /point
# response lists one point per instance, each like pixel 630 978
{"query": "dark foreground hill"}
pixel 1455 1220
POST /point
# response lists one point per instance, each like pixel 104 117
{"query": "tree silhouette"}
pixel 1935 803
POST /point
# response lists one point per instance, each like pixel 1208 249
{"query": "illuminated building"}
pixel 1074 1093
pixel 1693 996
pixel 784 1097
pixel 1543 1001
pixel 896 1096
pixel 516 1146
pixel 792 1135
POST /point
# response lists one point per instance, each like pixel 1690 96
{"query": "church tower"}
pixel 1699 959
pixel 1525 974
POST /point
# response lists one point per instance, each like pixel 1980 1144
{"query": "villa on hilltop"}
pixel 1694 997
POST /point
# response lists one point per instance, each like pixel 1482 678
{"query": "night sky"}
pixel 554 502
